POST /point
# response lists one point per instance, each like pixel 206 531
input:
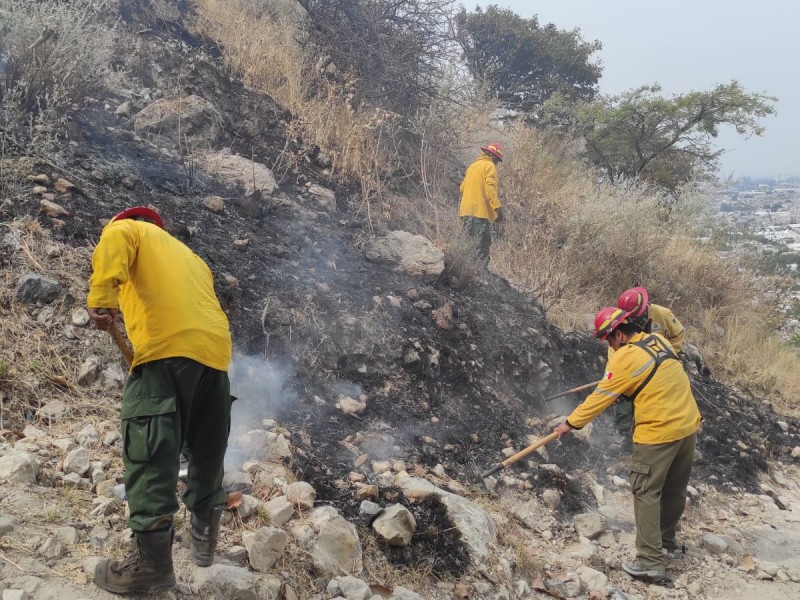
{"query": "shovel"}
pixel 519 455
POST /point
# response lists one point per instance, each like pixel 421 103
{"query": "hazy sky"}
pixel 693 45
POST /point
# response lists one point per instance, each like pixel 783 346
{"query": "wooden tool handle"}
pixel 529 450
pixel 571 390
pixel 116 334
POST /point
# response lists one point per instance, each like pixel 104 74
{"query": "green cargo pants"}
pixel 623 418
pixel 171 407
pixel 659 476
pixel 480 232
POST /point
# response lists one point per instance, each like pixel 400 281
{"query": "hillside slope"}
pixel 448 373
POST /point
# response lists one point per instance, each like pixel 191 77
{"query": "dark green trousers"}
pixel 623 418
pixel 659 476
pixel 480 232
pixel 171 407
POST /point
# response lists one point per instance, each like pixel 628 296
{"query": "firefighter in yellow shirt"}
pixel 177 398
pixel 651 318
pixel 480 204
pixel 645 368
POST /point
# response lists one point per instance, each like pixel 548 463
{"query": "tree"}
pixel 523 63
pixel 395 49
pixel 667 141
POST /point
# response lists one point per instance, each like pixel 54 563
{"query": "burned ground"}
pixel 305 296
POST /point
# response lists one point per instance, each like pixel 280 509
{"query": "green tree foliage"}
pixel 524 63
pixel 666 141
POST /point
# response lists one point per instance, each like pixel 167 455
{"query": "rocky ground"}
pixel 370 380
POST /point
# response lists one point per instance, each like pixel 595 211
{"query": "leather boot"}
pixel 148 568
pixel 205 533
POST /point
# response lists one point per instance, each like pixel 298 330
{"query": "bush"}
pixel 52 54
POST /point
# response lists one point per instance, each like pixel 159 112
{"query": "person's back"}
pixel 177 399
pixel 664 323
pixel 165 291
pixel 665 409
pixel 479 190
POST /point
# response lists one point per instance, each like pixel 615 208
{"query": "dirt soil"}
pixel 305 303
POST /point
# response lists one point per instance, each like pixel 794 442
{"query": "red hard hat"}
pixel 635 301
pixel 607 320
pixel 140 211
pixel 495 149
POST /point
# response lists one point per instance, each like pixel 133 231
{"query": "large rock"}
pixel 714 544
pixel 301 494
pixel 189 121
pixel 19 467
pixel 264 547
pixel 396 525
pixel 414 254
pixel 252 176
pixel 476 528
pixel 77 461
pixel 32 288
pixel 589 525
pixel 337 548
pixel 349 587
pixel 592 580
pixel 224 581
pixel 279 510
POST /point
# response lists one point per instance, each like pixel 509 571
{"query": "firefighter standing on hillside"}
pixel 645 368
pixel 177 399
pixel 651 318
pixel 480 204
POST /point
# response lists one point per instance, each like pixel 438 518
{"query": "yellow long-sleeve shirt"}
pixel 664 323
pixel 479 190
pixel 664 410
pixel 165 292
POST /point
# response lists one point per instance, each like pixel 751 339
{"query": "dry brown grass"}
pixel 576 242
pixel 42 364
pixel 263 44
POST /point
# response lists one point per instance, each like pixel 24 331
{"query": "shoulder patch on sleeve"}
pixel 608 375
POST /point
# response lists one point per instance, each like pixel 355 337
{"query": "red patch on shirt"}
pixel 608 375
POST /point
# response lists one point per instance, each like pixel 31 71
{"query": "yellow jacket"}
pixel 479 190
pixel 664 410
pixel 165 292
pixel 664 323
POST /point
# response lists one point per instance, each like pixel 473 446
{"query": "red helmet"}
pixel 495 149
pixel 635 301
pixel 140 211
pixel 607 320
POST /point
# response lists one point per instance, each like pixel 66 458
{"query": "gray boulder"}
pixel 32 288
pixel 191 118
pixel 414 254
pixel 19 467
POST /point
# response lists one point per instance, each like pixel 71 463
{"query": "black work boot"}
pixel 148 568
pixel 205 532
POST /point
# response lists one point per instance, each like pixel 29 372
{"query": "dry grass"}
pixel 264 45
pixel 43 364
pixel 576 242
